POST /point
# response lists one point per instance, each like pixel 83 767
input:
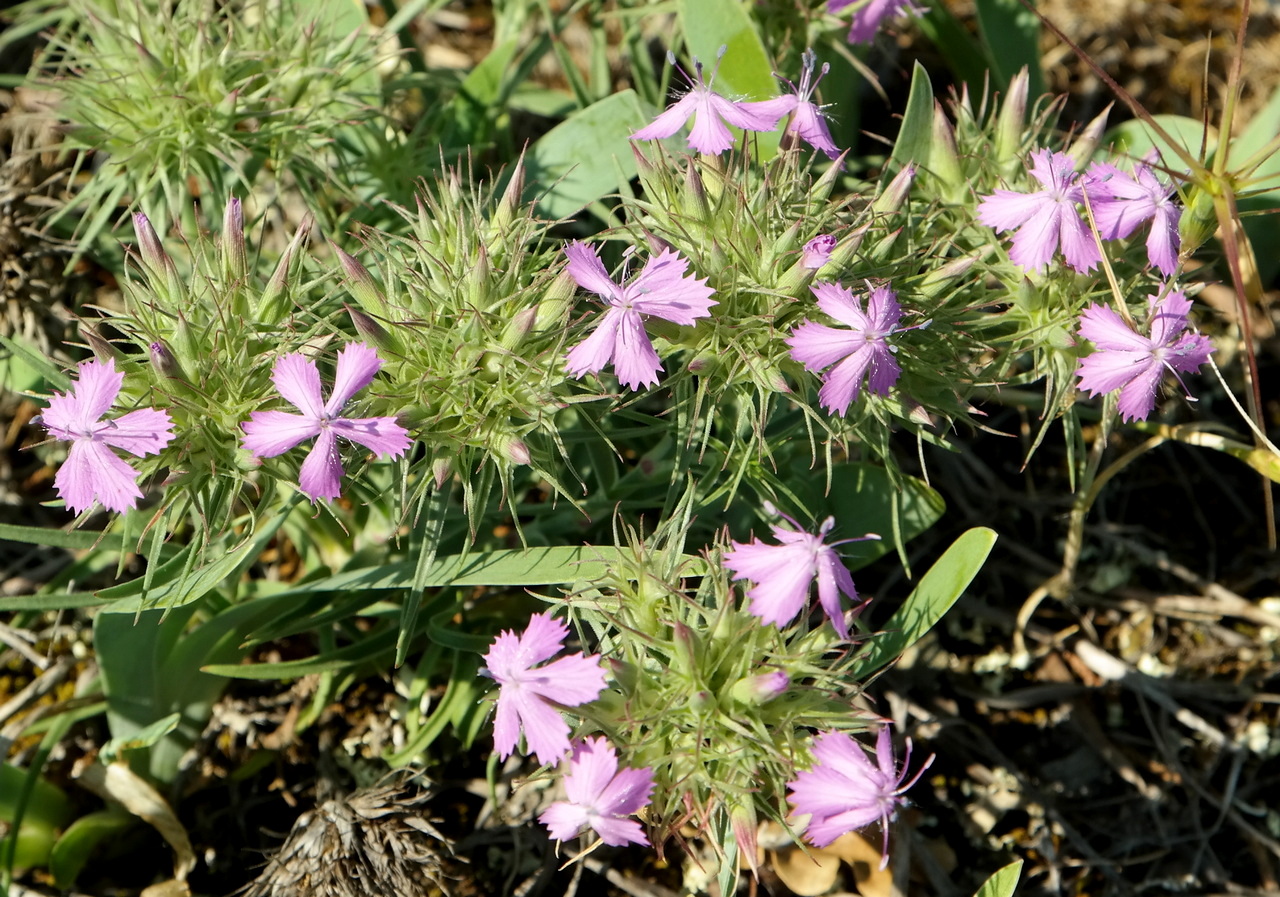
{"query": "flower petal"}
pixel 381 435
pixel 588 272
pixel 93 471
pixel 142 432
pixel 357 366
pixel 634 359
pixel 593 353
pixel 321 471
pixel 298 380
pixel 271 433
pixel 670 121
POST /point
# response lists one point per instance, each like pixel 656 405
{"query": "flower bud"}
pixel 1199 220
pixel 102 349
pixel 847 249
pixel 373 332
pixel 553 310
pixel 157 261
pixel 477 279
pixel 521 325
pixel 274 303
pixel 164 361
pixel 742 818
pixel 940 279
pixel 1083 147
pixel 817 252
pixel 512 202
pixel 895 194
pixel 362 285
pixel 944 161
pixel 512 448
pixel 441 470
pixel 1010 123
pixel 693 198
pixel 821 190
pixel 760 688
pixel 234 260
pixel 883 250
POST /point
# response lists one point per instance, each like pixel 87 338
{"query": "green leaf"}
pixel 864 499
pixel 145 737
pixel 964 55
pixel 938 590
pixel 1002 883
pixel 503 567
pixel 72 851
pixel 745 72
pixel 915 136
pixel 35 361
pixel 174 584
pixel 1012 35
pixel 573 177
pixel 1136 138
pixel 51 538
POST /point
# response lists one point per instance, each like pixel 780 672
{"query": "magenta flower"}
pixel 783 573
pixel 1122 202
pixel 1047 219
pixel 1133 363
pixel 660 289
pixel 869 15
pixel 807 120
pixel 855 352
pixel 709 111
pixel 525 692
pixel 844 790
pixel 92 470
pixel 601 796
pixel 817 252
pixel 271 433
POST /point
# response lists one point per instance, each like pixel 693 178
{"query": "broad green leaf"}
pixel 915 136
pixel 503 567
pixel 745 72
pixel 45 809
pixel 34 360
pixel 174 584
pixel 932 598
pixel 52 538
pixel 1137 139
pixel 1002 883
pixel 72 851
pixel 865 500
pixel 143 738
pixel 437 510
pixel 581 159
pixel 1012 35
pixel 369 649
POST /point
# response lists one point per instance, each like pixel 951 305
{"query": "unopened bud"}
pixel 822 188
pixel 520 326
pixel 761 688
pixel 883 249
pixel 164 361
pixel 234 260
pixel 944 160
pixel 157 261
pixel 553 310
pixel 273 304
pixel 477 279
pixel 362 285
pixel 694 196
pixel 1084 146
pixel 373 332
pixel 847 249
pixel 1010 123
pixel 102 349
pixel 1199 220
pixel 742 818
pixel 817 252
pixel 441 470
pixel 512 201
pixel 513 449
pixel 941 279
pixel 895 194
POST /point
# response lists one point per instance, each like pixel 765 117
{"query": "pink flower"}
pixel 783 573
pixel 661 289
pixel 1133 363
pixel 817 252
pixel 524 692
pixel 1046 219
pixel 707 108
pixel 844 790
pixel 92 470
pixel 271 433
pixel 1122 202
pixel 865 347
pixel 807 121
pixel 601 796
pixel 870 14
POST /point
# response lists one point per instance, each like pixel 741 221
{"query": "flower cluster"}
pixel 92 471
pixel 534 691
pixel 1047 220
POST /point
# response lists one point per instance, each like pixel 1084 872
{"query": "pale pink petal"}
pixel 321 471
pixel 1189 352
pixel 840 303
pixel 142 432
pixel 670 121
pixel 506 725
pixel 1079 247
pixel 1138 396
pixel 592 354
pixel 1106 371
pixel 96 389
pixel 811 125
pixel 634 359
pixel 834 578
pixel 818 346
pixel 93 471
pixel 619 832
pixel 627 793
pixel 773 109
pixel 545 731
pixel 1036 241
pixel 841 385
pixel 709 134
pixel 297 379
pixel 747 116
pixel 588 272
pixel 271 433
pixel 357 366
pixel 1005 209
pixel 572 680
pixel 381 435
pixel 1164 241
pixel 662 290
pixel 564 820
pixel 1103 327
pixel 592 767
pixel 782 574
